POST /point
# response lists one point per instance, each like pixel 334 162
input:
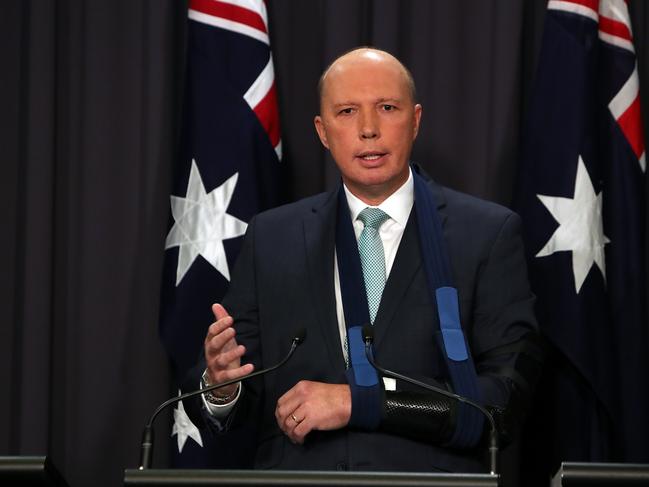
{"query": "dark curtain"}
pixel 90 92
pixel 90 96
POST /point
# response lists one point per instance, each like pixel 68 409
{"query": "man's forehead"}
pixel 364 73
pixel 364 66
pixel 363 60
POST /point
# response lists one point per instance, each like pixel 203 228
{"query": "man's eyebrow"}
pixel 379 100
pixel 383 100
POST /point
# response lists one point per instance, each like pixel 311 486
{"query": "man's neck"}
pixel 397 205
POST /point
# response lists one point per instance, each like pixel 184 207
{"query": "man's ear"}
pixel 322 131
pixel 416 120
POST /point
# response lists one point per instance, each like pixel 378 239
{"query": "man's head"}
pixel 368 120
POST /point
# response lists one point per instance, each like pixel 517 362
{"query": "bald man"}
pixel 299 267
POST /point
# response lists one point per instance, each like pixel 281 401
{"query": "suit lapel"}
pixel 319 235
pixel 436 189
pixel 440 200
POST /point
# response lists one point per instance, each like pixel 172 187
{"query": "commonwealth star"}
pixel 184 428
pixel 580 227
pixel 201 224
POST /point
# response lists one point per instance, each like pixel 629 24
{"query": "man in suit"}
pixel 290 274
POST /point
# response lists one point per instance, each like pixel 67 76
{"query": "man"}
pixel 296 270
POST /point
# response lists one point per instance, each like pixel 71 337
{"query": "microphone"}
pixel 146 449
pixel 368 338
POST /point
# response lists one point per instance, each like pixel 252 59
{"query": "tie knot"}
pixel 373 217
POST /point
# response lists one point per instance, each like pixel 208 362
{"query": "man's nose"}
pixel 368 125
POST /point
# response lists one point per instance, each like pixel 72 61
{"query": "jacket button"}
pixel 341 466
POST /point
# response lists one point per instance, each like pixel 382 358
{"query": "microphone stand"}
pixel 146 449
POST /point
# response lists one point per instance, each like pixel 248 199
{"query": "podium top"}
pixel 167 477
pixel 30 470
pixel 601 474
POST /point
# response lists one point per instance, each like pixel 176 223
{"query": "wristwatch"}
pixel 215 398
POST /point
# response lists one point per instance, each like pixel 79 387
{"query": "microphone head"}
pixel 299 336
pixel 368 333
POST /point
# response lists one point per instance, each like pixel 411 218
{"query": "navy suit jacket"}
pixel 284 280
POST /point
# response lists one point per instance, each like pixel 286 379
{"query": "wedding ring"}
pixel 295 419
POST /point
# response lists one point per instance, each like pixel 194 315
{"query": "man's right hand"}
pixel 222 353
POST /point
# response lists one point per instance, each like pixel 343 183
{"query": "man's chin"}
pixel 373 187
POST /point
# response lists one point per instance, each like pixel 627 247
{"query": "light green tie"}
pixel 370 248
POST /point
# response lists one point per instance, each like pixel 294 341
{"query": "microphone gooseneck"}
pixel 146 449
pixel 368 338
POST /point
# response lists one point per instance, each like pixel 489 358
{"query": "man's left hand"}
pixel 309 406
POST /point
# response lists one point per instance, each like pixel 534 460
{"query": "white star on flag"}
pixel 580 227
pixel 201 224
pixel 184 428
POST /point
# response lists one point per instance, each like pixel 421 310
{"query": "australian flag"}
pixel 581 196
pixel 227 170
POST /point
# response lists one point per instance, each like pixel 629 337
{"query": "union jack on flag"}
pixel 581 196
pixel 226 172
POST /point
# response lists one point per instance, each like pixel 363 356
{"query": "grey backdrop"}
pixel 90 94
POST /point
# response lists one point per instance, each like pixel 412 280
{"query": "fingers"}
pixel 219 311
pixel 294 425
pixel 290 401
pixel 220 335
pixel 286 405
pixel 309 406
pixel 214 343
pixel 298 426
pixel 222 353
pixel 291 412
pixel 225 358
pixel 223 321
pixel 231 374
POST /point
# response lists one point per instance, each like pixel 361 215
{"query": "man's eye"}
pixel 346 111
pixel 388 108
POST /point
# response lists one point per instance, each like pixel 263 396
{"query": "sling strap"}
pixel 444 297
pixel 367 393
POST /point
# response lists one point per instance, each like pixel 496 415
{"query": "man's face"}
pixel 368 121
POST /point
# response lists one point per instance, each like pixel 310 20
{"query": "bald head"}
pixel 369 55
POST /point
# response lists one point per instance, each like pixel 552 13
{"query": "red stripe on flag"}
pixel 631 124
pixel 266 111
pixel 230 12
pixel 614 28
pixel 591 4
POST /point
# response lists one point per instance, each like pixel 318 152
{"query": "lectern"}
pixel 190 478
pixel 30 471
pixel 601 475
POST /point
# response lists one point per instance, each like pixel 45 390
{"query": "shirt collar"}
pixel 397 205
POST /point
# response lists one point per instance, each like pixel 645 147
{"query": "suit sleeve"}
pixel 242 304
pixel 505 345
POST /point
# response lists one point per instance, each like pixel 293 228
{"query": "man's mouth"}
pixel 370 156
